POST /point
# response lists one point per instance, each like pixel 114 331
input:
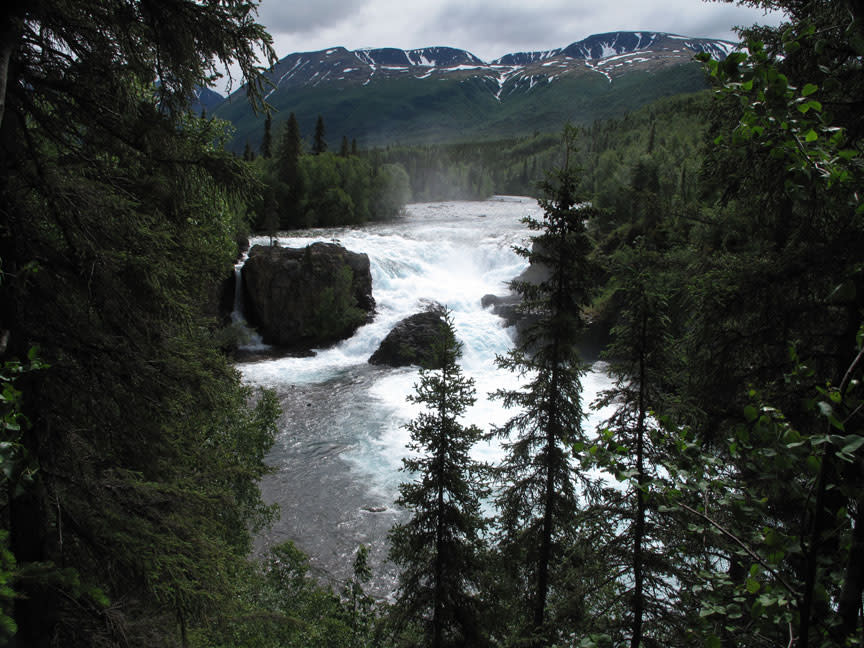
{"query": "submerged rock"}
pixel 411 342
pixel 307 297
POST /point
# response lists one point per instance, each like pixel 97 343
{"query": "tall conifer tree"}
pixel 631 446
pixel 290 150
pixel 141 508
pixel 437 548
pixel 267 139
pixel 319 141
pixel 538 499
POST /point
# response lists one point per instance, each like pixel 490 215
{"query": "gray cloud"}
pixel 710 24
pixel 489 28
pixel 290 17
pixel 492 29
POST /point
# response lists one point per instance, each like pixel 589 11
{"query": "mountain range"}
pixel 386 96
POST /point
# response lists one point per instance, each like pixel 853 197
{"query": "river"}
pixel 341 438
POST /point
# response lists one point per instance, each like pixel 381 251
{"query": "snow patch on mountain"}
pixel 597 68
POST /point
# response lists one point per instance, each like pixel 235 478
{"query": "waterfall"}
pixel 342 437
pixel 251 339
pixel 237 310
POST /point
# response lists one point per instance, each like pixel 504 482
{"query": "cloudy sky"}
pixel 489 28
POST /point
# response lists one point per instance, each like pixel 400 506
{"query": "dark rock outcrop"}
pixel 307 297
pixel 505 306
pixel 411 341
pixel 508 307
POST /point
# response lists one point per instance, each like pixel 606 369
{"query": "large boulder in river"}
pixel 307 297
pixel 411 342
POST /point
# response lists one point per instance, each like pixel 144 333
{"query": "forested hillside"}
pixel 667 135
pixel 716 239
pixel 389 96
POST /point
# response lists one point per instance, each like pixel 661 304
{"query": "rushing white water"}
pixel 342 436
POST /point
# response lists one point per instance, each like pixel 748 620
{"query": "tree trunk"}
pixel 849 604
pixel 5 56
pixel 181 619
pixel 36 607
pixel 552 425
pixel 545 539
pixel 11 18
pixel 639 525
pixel 812 554
pixel 438 604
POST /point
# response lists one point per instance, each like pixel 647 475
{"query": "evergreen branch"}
pixel 743 546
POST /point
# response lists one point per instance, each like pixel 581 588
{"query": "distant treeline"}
pixel 665 136
pixel 306 185
pixel 320 188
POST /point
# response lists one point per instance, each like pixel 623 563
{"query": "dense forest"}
pixel 666 134
pixel 716 238
pixel 669 132
pixel 320 188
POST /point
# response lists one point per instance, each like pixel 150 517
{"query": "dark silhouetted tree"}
pixel 248 153
pixel 538 500
pixel 319 140
pixel 437 548
pixel 141 509
pixel 266 149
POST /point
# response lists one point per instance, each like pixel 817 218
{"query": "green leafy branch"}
pixel 15 465
pixel 789 119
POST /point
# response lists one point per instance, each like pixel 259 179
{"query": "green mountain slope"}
pixel 387 96
pixel 414 111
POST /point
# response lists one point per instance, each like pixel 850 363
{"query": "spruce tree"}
pixel 267 139
pixel 289 182
pixel 538 499
pixel 319 141
pixel 631 445
pixel 437 548
pixel 359 606
pixel 248 153
pixel 290 150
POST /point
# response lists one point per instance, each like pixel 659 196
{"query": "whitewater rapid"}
pixel 341 440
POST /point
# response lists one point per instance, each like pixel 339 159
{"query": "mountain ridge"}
pixel 384 95
pixel 316 67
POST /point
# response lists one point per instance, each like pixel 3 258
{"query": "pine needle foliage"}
pixel 538 498
pixel 120 214
pixel 437 549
